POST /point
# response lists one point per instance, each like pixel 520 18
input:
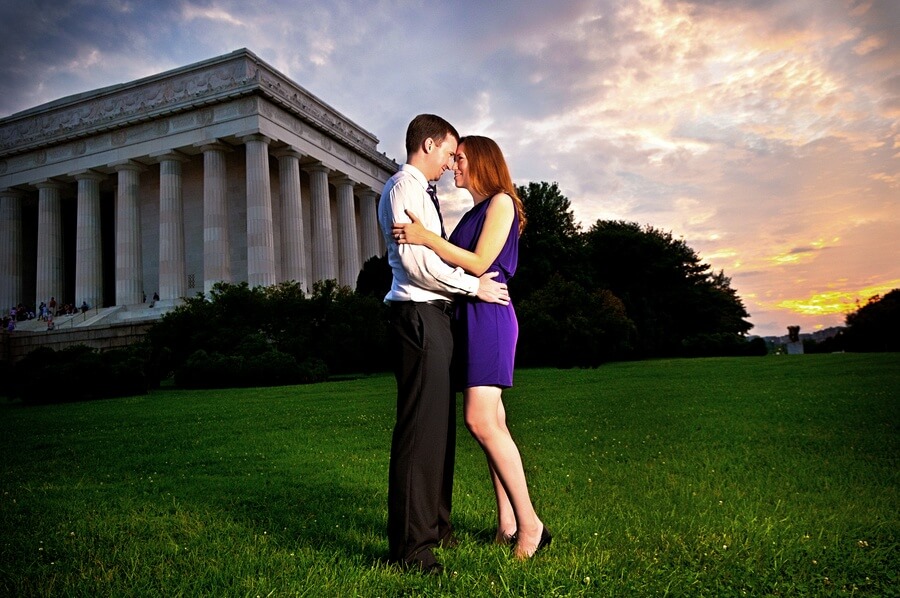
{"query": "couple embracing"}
pixel 449 303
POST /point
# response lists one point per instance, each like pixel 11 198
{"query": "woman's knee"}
pixel 480 426
pixel 481 412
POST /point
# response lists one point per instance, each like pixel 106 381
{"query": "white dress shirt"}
pixel 419 274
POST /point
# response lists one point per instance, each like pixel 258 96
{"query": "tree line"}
pixel 615 291
pixel 872 327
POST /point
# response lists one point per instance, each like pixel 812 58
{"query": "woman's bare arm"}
pixel 497 222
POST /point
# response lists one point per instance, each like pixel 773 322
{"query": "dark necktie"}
pixel 432 193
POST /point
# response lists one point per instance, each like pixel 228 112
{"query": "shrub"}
pixel 722 344
pixel 564 325
pixel 270 335
pixel 268 368
pixel 78 373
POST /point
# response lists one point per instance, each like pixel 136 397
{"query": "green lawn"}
pixel 709 477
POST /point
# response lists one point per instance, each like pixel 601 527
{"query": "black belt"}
pixel 444 306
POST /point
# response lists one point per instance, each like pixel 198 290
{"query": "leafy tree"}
pixel 720 308
pixel 874 326
pixel 550 243
pixel 669 294
pixel 564 325
pixel 673 303
pixel 375 278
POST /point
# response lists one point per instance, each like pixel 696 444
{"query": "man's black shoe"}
pixel 449 541
pixel 433 569
pixel 423 563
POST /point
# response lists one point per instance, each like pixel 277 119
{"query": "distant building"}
pixel 223 170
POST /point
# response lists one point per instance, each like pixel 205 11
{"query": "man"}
pixel 423 446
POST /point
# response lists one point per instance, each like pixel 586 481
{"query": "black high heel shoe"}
pixel 546 539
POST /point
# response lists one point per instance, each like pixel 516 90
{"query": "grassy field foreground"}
pixel 708 477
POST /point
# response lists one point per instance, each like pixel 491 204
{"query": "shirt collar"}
pixel 416 173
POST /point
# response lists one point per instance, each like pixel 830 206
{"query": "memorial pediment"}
pixel 193 87
pixel 220 171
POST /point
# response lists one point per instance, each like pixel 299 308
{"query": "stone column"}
pixel 88 248
pixel 216 246
pixel 293 263
pixel 348 244
pixel 172 281
pixel 368 224
pixel 50 265
pixel 129 255
pixel 11 282
pixel 260 232
pixel 323 264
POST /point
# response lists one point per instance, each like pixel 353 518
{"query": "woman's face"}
pixel 461 170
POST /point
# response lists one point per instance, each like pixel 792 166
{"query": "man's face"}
pixel 441 156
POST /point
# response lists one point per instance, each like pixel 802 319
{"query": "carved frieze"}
pixel 311 108
pixel 182 122
pixel 247 106
pixel 234 85
pixel 121 105
pixel 56 153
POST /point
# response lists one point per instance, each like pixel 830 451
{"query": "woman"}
pixel 487 239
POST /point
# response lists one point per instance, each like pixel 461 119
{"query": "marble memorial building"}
pixel 224 170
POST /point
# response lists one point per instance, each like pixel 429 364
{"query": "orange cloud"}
pixel 836 302
pixel 801 254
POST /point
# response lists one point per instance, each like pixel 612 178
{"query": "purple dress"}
pixel 485 334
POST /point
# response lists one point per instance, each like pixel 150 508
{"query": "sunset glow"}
pixel 837 302
pixel 764 134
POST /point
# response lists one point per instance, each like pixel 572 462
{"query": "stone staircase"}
pixel 119 314
pixel 102 328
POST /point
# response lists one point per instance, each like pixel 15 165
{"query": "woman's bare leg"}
pixel 483 411
pixel 506 516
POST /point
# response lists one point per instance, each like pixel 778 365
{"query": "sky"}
pixel 764 133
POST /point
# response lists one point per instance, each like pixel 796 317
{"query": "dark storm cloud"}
pixel 52 44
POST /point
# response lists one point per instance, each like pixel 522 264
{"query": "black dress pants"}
pixel 423 446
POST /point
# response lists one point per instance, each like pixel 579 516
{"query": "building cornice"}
pixel 224 78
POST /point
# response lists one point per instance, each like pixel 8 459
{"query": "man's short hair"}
pixel 424 126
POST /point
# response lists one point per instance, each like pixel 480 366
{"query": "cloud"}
pixel 56 49
pixel 191 12
pixel 766 133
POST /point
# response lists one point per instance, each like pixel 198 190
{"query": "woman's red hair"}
pixel 488 172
